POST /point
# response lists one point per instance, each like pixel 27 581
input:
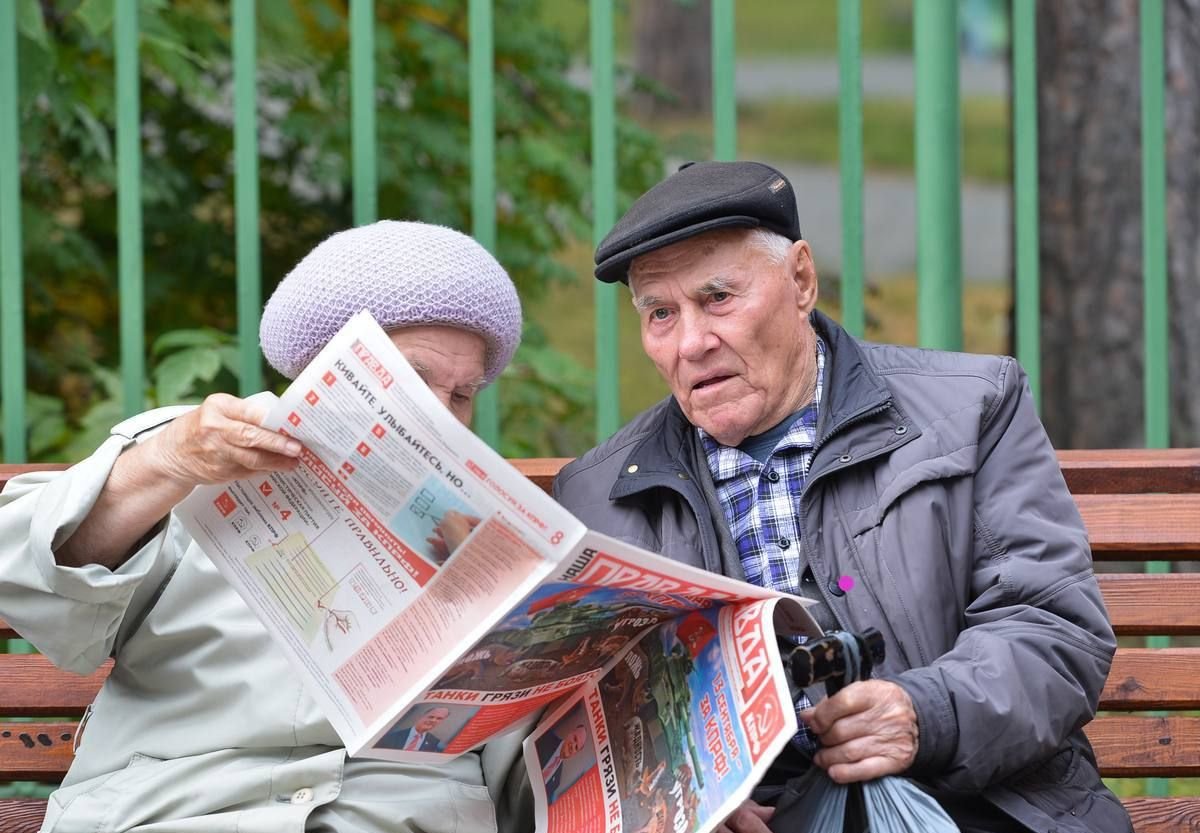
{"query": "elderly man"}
pixel 799 458
pixel 202 725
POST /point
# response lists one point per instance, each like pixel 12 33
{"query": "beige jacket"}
pixel 203 726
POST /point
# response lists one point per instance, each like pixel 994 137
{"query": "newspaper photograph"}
pixel 676 731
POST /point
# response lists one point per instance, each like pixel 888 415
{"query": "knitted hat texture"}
pixel 405 273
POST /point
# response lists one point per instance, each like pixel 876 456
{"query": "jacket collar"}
pixel 852 389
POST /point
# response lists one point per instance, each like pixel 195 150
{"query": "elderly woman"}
pixel 202 725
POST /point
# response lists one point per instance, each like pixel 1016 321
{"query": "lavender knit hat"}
pixel 405 273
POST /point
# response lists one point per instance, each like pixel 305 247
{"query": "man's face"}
pixel 431 720
pixel 450 360
pixel 573 742
pixel 727 327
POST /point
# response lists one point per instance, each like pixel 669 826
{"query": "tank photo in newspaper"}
pixel 560 631
pixel 666 734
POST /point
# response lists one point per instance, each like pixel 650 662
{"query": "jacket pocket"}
pixel 1067 788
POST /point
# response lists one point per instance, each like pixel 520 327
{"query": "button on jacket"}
pixel 933 485
pixel 202 725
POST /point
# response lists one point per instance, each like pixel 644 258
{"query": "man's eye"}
pixel 718 297
pixel 660 314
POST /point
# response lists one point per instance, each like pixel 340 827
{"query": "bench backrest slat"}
pixel 1153 678
pixel 1119 525
pixel 35 688
pixel 36 751
pixel 1164 815
pixel 1136 747
pixel 1130 471
pixel 1152 605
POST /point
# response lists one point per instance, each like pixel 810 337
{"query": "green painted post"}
pixel 1154 227
pixel 1025 191
pixel 604 214
pixel 129 208
pixel 246 204
pixel 12 303
pixel 850 150
pixel 939 232
pixel 362 110
pixel 724 90
pixel 483 175
pixel 1154 263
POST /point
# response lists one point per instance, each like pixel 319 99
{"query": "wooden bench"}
pixel 1138 506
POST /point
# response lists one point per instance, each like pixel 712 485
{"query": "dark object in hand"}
pixel 832 659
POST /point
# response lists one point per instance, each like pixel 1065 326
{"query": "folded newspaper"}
pixel 432 598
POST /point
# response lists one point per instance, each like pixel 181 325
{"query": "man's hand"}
pixel 751 817
pixel 221 441
pixel 867 730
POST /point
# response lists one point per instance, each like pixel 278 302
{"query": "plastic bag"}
pixel 815 804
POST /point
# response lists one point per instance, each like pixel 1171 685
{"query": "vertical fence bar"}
pixel 604 212
pixel 939 232
pixel 723 82
pixel 1025 191
pixel 362 110
pixel 483 175
pixel 1154 262
pixel 246 204
pixel 129 208
pixel 1154 227
pixel 12 295
pixel 850 151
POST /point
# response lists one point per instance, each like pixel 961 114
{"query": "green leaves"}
pixel 30 22
pixel 96 16
pixel 188 362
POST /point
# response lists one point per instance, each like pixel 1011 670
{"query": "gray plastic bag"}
pixel 813 803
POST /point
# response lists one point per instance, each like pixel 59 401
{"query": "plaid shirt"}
pixel 762 505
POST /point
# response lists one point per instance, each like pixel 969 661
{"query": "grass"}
pixel 762 28
pixel 1134 787
pixel 566 313
pixel 807 131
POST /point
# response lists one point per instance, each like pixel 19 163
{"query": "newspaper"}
pixel 432 598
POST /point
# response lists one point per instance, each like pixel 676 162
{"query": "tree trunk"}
pixel 1089 146
pixel 672 50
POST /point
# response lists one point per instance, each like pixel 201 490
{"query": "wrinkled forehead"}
pixel 682 256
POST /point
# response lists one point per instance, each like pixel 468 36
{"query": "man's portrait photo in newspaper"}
pixel 427 727
pixel 565 753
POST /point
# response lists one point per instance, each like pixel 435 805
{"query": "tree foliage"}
pixel 67 103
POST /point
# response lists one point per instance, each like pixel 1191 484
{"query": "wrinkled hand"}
pixel 750 817
pixel 867 730
pixel 221 441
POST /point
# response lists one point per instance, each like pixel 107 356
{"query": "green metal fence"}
pixel 937 172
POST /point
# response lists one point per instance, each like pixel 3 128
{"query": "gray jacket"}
pixel 934 486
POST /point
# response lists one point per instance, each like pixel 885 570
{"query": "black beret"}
pixel 699 197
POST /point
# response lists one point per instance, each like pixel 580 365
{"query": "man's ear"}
pixel 803 273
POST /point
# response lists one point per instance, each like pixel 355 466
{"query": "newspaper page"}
pixel 397 543
pixel 676 732
pixel 559 638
